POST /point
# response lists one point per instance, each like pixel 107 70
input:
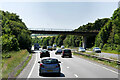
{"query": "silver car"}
pixel 49 65
pixel 81 49
pixel 97 50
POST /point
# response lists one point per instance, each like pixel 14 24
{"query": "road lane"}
pixel 84 69
pixel 71 68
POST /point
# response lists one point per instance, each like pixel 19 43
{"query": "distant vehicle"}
pixel 36 46
pixel 44 47
pixel 44 53
pixel 97 50
pixel 54 47
pixel 81 49
pixel 59 51
pixel 66 52
pixel 62 47
pixel 49 48
pixel 49 65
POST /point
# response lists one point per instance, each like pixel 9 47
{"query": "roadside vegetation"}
pixel 16 43
pixel 15 35
pixel 108 38
pixel 9 63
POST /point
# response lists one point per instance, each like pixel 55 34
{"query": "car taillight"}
pixel 41 65
pixel 40 52
pixel 57 66
pixel 63 52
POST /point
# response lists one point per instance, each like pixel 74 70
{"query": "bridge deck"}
pixel 64 32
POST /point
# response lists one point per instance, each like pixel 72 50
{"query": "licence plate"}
pixel 50 70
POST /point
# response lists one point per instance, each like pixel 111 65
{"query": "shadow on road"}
pixel 67 57
pixel 53 75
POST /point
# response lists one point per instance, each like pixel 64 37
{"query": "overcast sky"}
pixel 59 15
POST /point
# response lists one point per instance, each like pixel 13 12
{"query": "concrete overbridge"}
pixel 66 32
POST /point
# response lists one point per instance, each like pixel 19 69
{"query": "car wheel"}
pixel 70 56
pixel 40 56
pixel 62 56
pixel 40 74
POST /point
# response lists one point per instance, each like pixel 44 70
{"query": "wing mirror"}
pixel 59 62
pixel 38 61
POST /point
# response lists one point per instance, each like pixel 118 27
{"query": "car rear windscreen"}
pixel 67 51
pixel 49 61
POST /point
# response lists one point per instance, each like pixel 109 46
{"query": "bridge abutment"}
pixel 84 42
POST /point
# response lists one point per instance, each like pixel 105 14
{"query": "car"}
pixel 49 48
pixel 97 50
pixel 81 49
pixel 54 47
pixel 49 66
pixel 44 53
pixel 44 47
pixel 58 51
pixel 36 46
pixel 66 52
pixel 62 47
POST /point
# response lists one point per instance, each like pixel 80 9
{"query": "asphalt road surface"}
pixel 74 67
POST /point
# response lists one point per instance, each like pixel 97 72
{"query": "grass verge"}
pixel 112 64
pixel 110 51
pixel 11 62
pixel 18 72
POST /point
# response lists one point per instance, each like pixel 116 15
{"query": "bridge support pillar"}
pixel 84 42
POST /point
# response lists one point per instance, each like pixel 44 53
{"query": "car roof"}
pixel 96 47
pixel 48 58
pixel 44 50
pixel 66 49
pixel 80 47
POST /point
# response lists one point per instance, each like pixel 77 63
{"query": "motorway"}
pixel 74 67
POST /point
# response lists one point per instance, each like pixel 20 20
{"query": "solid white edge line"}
pixel 76 75
pixel 101 66
pixel 32 67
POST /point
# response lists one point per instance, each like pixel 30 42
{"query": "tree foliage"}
pixel 15 35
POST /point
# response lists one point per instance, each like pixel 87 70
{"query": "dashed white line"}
pixel 68 67
pixel 102 67
pixel 32 67
pixel 76 75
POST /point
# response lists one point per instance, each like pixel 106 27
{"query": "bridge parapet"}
pixel 65 30
pixel 49 29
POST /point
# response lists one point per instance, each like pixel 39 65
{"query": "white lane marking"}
pixel 32 67
pixel 102 67
pixel 68 67
pixel 61 62
pixel 76 75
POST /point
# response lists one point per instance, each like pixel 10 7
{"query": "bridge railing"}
pixel 49 29
pixel 53 29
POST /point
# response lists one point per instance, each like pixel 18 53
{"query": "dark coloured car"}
pixel 36 46
pixel 44 53
pixel 49 65
pixel 66 52
pixel 44 47
pixel 59 51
